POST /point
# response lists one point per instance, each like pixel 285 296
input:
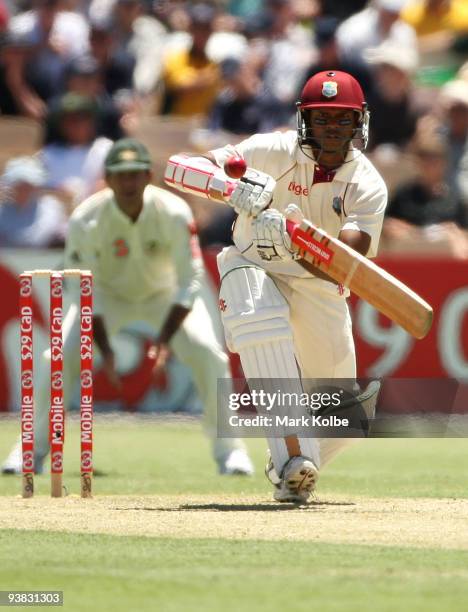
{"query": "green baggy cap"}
pixel 127 155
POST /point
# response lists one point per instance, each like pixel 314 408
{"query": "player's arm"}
pixel 205 176
pixel 364 217
pixel 188 264
pixel 101 338
pixel 358 240
pixel 173 321
pixel 160 351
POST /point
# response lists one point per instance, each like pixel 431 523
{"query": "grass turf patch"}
pixel 115 573
pixel 147 457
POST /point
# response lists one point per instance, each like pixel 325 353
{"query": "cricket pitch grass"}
pixel 388 530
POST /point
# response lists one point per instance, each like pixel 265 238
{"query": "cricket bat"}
pixel 362 276
pixel 343 264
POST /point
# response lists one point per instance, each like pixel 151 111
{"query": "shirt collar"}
pixel 117 213
pixel 349 172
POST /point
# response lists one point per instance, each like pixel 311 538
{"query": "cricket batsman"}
pixel 140 243
pixel 286 322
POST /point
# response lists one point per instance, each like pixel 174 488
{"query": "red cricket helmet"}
pixel 332 89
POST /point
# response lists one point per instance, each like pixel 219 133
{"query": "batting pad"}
pixel 257 327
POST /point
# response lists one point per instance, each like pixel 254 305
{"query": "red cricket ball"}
pixel 235 167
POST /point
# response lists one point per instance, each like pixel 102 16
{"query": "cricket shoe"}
pixel 236 463
pixel 298 480
pixel 13 464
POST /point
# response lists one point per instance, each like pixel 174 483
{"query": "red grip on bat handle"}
pixel 291 226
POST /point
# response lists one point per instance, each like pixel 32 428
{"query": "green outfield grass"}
pixel 122 572
pixel 146 457
pixel 115 573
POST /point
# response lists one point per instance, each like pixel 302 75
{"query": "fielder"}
pixel 141 245
pixel 284 321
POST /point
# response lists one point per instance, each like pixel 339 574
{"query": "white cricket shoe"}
pixel 298 480
pixel 236 463
pixel 271 473
pixel 13 464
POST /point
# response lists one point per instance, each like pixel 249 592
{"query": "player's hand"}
pixel 253 193
pixel 294 213
pixel 160 352
pixel 270 237
pixel 109 368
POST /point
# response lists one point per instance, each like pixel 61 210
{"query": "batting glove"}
pixel 270 237
pixel 294 213
pixel 253 193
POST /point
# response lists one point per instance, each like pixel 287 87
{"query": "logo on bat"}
pixel 314 247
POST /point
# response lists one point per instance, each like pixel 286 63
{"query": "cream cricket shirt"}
pixel 353 197
pixel 134 261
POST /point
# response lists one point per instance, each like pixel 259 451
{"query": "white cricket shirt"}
pixel 352 197
pixel 133 261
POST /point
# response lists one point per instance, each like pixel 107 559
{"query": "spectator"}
pixel 117 66
pixel 4 17
pixel 462 73
pixel 290 52
pixel 391 98
pixel 462 180
pixel 427 201
pixel 191 79
pixel 433 16
pixel 441 26
pixel 10 54
pixel 257 33
pixel 378 22
pixel 454 120
pixel 244 8
pixel 226 42
pixel 45 38
pixel 74 161
pixel 47 26
pixel 329 57
pixel 341 10
pixel 462 175
pixel 28 217
pixel 83 76
pixel 142 37
pixel 245 106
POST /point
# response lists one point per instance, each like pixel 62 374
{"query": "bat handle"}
pixel 291 226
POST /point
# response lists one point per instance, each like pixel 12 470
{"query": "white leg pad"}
pixel 256 323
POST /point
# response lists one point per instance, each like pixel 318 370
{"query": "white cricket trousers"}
pixel 287 327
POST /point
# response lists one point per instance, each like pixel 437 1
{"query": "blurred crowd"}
pixel 90 71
